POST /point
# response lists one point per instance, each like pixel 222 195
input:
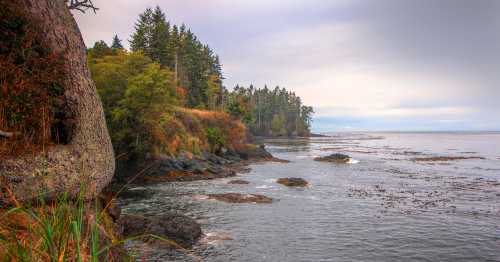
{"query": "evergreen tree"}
pixel 141 39
pixel 160 32
pixel 276 112
pixel 117 43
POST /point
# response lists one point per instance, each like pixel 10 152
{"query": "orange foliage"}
pixel 184 130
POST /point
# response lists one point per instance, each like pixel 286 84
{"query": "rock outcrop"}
pixel 238 182
pixel 334 158
pixel 181 229
pixel 292 182
pixel 241 198
pixel 86 159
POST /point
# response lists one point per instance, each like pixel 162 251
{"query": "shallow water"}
pixel 381 207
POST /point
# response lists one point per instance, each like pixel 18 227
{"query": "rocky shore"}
pixel 189 167
pixel 182 231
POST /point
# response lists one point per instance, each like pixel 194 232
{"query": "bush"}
pixel 216 139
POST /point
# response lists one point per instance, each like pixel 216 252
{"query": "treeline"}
pixel 267 112
pixel 197 69
pixel 168 64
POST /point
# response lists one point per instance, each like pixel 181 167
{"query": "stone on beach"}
pixel 293 182
pixel 334 158
pixel 241 198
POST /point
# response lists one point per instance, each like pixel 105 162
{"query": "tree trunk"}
pixel 87 159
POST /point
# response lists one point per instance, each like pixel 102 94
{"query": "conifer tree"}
pixel 117 43
pixel 160 32
pixel 141 39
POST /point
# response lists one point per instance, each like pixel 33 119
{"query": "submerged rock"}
pixel 181 229
pixel 293 182
pixel 334 158
pixel 241 198
pixel 238 182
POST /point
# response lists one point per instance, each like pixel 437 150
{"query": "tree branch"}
pixel 81 5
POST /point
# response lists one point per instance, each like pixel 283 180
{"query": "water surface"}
pixel 383 207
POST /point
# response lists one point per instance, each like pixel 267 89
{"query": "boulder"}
pixel 238 182
pixel 84 154
pixel 181 229
pixel 293 182
pixel 334 158
pixel 241 198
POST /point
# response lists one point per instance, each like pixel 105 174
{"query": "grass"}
pixel 61 230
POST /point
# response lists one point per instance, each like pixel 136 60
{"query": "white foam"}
pixel 353 161
pixel 200 197
pixel 264 187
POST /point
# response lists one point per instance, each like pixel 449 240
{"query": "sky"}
pixel 364 65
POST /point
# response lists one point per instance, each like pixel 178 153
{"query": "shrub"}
pixel 216 139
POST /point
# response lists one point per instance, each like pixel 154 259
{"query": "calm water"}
pixel 382 207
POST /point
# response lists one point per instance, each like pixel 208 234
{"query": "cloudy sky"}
pixel 363 65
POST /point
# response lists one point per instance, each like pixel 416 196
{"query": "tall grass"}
pixel 61 230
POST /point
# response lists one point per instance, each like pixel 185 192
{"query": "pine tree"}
pixel 160 32
pixel 141 39
pixel 117 43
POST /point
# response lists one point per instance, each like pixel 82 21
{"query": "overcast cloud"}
pixel 363 65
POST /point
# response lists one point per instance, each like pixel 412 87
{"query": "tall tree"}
pixel 117 43
pixel 141 39
pixel 160 31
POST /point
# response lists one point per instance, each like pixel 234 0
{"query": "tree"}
pixel 276 112
pixel 160 31
pixel 117 43
pixel 87 156
pixel 100 49
pixel 136 93
pixel 141 39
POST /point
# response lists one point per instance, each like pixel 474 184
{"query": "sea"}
pixel 404 196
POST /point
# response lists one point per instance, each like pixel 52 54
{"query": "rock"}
pixel 334 158
pixel 184 230
pixel 238 182
pixel 135 194
pixel 241 198
pixel 84 154
pixel 293 182
pixel 253 152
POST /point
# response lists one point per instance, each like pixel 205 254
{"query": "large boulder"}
pixel 85 159
pixel 293 182
pixel 181 229
pixel 241 198
pixel 238 182
pixel 334 158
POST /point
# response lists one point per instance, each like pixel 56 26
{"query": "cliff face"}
pixel 86 157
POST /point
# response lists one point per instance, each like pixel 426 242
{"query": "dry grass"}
pixel 61 230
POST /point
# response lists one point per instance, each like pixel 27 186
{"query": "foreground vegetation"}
pixel 60 230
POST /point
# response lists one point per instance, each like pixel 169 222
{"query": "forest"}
pixel 168 67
